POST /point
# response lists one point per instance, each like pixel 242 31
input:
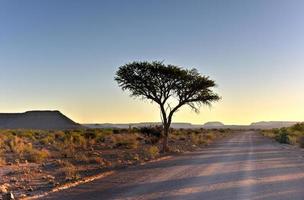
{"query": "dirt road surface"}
pixel 246 166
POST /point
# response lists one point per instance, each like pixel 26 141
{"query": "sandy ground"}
pixel 245 166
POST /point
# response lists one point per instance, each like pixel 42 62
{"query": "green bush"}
pixel 152 131
pixel 298 127
pixel 282 136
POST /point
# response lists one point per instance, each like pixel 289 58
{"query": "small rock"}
pixel 30 189
pixel 50 177
pixel 22 195
pixel 68 179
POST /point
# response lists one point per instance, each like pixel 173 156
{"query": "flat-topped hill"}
pixel 214 124
pixel 44 120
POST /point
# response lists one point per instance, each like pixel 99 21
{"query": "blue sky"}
pixel 61 54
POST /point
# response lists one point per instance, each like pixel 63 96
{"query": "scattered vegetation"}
pixel 292 135
pixel 51 158
pixel 39 146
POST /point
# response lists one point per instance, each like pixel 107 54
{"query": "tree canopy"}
pixel 169 86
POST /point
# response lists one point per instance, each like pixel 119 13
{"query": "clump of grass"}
pixel 37 156
pixel 210 136
pixel 68 169
pixel 67 149
pixel 18 145
pixel 2 158
pixel 301 141
pixel 96 160
pixel 202 138
pixel 268 133
pixel 26 134
pixel 128 141
pixel 198 139
pixel 81 157
pixel 48 139
pixel 292 139
pixel 195 138
pixel 152 152
pixel 2 161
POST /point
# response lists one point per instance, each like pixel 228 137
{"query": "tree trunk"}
pixel 165 139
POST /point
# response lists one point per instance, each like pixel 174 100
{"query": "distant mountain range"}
pixel 138 125
pixel 49 120
pixel 43 120
pixel 208 125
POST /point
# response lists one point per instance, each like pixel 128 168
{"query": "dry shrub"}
pixel 293 139
pixel 80 141
pixel 97 160
pixel 49 139
pixel 37 156
pixel 128 141
pixel 199 139
pixel 2 158
pixel 2 143
pixel 269 133
pixel 68 169
pixel 210 136
pixel 130 157
pixel 195 138
pixel 301 141
pixel 2 161
pixel 152 152
pixel 81 157
pixel 66 149
pixel 19 146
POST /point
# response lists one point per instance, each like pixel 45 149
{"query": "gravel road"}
pixel 245 166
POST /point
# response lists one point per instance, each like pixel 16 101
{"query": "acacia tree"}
pixel 171 87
